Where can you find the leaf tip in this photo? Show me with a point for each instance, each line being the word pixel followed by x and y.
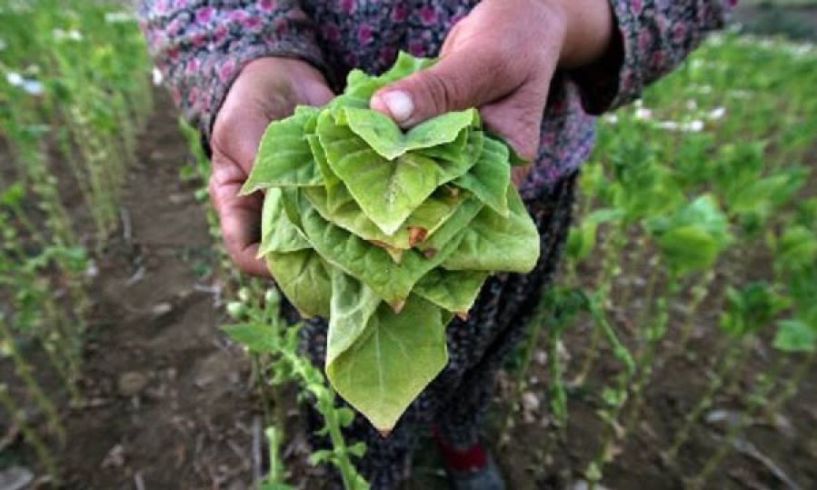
pixel 398 306
pixel 417 235
pixel 248 188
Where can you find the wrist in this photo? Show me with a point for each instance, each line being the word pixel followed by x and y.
pixel 588 27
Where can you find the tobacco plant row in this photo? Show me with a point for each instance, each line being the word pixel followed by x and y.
pixel 695 245
pixel 74 91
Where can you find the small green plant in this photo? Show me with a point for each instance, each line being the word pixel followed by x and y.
pixel 264 332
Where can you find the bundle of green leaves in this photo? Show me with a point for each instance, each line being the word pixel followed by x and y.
pixel 388 234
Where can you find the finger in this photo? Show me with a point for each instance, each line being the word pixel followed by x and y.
pixel 238 130
pixel 455 83
pixel 260 95
pixel 518 118
pixel 240 218
pixel 316 93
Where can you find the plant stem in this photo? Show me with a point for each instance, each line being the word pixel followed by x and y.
pixel 537 324
pixel 25 372
pixel 699 293
pixel 756 401
pixel 558 395
pixel 611 250
pixel 277 471
pixel 792 386
pixel 40 447
pixel 736 355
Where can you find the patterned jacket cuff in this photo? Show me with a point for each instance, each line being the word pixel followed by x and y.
pixel 615 79
pixel 651 38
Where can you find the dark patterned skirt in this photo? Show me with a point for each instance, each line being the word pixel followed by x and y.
pixel 456 402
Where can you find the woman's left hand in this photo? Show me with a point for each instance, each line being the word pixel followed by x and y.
pixel 501 58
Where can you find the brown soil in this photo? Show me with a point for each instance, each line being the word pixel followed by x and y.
pixel 166 399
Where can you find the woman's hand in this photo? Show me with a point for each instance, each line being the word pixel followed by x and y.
pixel 502 58
pixel 266 89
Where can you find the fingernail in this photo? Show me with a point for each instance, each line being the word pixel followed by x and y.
pixel 399 104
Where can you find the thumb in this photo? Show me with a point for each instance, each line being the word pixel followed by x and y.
pixel 460 80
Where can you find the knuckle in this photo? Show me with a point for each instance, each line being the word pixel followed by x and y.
pixel 212 190
pixel 445 92
pixel 227 118
pixel 216 190
pixel 232 245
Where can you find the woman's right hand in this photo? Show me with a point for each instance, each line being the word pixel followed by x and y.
pixel 267 89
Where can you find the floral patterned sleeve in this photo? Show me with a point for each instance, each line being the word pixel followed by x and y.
pixel 654 36
pixel 201 45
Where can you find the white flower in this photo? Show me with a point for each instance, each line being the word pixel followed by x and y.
pixel 643 114
pixel 695 126
pixel 14 79
pixel 3 44
pixel 611 118
pixel 119 17
pixel 33 87
pixel 30 86
pixel 692 105
pixel 61 35
pixel 158 78
pixel 717 113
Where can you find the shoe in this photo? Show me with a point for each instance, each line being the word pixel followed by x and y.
pixel 468 469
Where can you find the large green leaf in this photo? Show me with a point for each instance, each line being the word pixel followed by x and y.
pixel 353 304
pixel 304 279
pixel 404 66
pixel 693 237
pixel 433 214
pixel 362 85
pixel 332 184
pixel 349 216
pixel 391 362
pixel 278 234
pixel 795 336
pixel 384 136
pixel 489 178
pixel 493 243
pixel 285 157
pixel 372 265
pixel 453 226
pixel 459 148
pixel 387 191
pixel 688 248
pixel 453 291
pixel 423 222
